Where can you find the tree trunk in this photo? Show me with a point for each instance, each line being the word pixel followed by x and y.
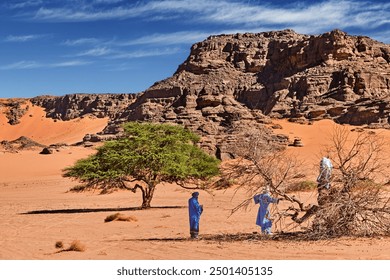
pixel 147 195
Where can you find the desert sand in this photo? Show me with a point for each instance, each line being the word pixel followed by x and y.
pixel 37 209
pixel 47 131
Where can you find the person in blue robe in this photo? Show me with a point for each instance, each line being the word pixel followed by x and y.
pixel 263 214
pixel 195 210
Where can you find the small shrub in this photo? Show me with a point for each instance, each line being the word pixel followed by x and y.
pixel 222 184
pixel 120 217
pixel 302 186
pixel 77 246
pixel 367 185
pixel 59 245
pixel 165 216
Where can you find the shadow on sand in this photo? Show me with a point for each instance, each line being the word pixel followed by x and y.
pixel 234 237
pixel 211 237
pixel 89 210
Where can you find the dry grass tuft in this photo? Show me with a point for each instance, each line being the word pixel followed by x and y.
pixel 165 216
pixel 120 217
pixel 59 245
pixel 77 246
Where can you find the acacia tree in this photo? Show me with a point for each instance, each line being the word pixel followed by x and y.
pixel 146 156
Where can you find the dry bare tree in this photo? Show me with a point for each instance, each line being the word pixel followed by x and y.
pixel 356 204
pixel 259 162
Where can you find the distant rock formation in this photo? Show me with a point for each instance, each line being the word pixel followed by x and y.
pixel 230 83
pixel 14 109
pixel 76 105
pixel 22 143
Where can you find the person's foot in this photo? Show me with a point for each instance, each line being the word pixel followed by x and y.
pixel 194 236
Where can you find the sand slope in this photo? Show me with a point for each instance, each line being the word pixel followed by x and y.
pixel 47 131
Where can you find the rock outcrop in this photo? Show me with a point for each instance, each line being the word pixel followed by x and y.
pixel 76 105
pixel 22 143
pixel 14 109
pixel 233 82
pixel 287 75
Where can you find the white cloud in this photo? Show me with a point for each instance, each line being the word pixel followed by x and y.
pixel 107 1
pixel 168 39
pixel 320 16
pixel 314 17
pixel 244 16
pixel 70 63
pixel 81 41
pixel 25 4
pixel 99 51
pixel 23 38
pixel 69 14
pixel 84 12
pixel 20 65
pixel 145 53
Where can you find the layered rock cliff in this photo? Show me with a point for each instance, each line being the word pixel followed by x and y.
pixel 285 74
pixel 238 81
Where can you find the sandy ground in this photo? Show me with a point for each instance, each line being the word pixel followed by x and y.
pixel 33 182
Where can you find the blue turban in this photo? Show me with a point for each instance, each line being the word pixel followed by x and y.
pixel 195 194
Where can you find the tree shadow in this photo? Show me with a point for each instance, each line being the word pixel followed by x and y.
pixel 231 237
pixel 297 236
pixel 168 239
pixel 93 210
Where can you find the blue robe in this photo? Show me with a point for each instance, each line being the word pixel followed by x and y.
pixel 263 214
pixel 195 210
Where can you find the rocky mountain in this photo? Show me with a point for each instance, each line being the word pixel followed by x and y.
pixel 287 75
pixel 232 82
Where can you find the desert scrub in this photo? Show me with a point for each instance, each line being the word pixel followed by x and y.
pixel 306 185
pixel 77 246
pixel 59 245
pixel 120 217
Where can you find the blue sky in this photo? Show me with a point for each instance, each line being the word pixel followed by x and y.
pixel 97 46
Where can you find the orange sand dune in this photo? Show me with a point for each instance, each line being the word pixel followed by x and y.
pixel 317 136
pixel 47 131
pixel 32 182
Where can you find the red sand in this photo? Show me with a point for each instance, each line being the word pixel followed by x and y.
pixel 47 131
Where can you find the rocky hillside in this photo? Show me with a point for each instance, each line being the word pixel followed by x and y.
pixel 75 105
pixel 242 80
pixel 287 75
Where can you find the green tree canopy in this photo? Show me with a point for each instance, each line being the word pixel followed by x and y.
pixel 148 154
